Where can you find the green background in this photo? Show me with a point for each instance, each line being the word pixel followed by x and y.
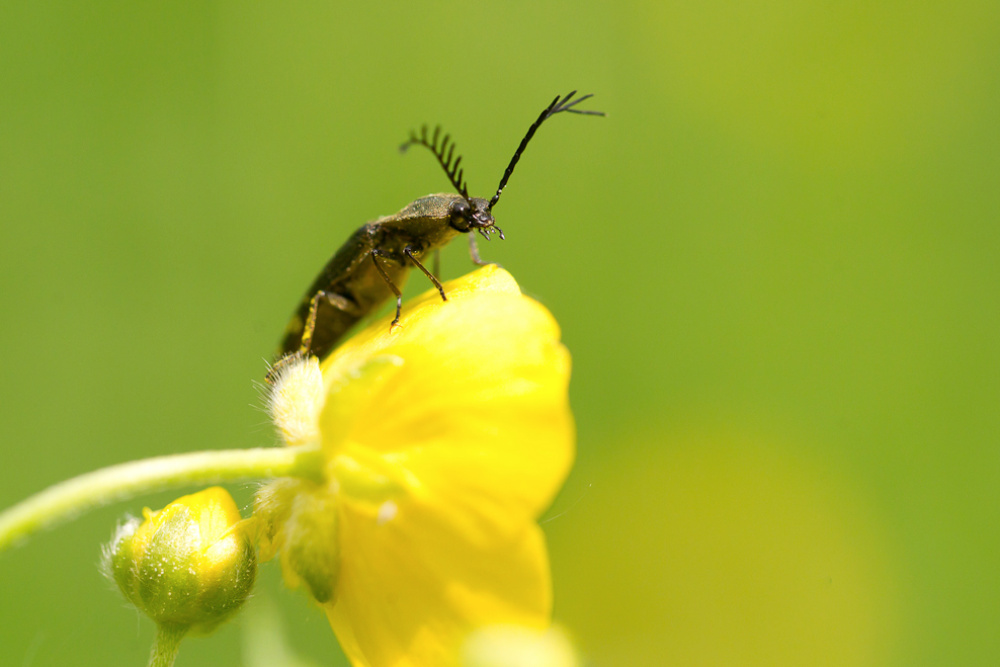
pixel 775 263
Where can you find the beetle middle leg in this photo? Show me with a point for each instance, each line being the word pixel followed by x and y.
pixel 408 251
pixel 376 253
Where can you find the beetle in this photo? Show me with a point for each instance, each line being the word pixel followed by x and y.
pixel 374 262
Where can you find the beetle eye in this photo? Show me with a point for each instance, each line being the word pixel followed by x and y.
pixel 460 209
pixel 461 214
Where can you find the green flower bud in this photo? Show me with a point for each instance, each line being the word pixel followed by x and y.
pixel 189 565
pixel 298 519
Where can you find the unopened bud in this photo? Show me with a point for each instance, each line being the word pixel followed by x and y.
pixel 191 564
pixel 298 520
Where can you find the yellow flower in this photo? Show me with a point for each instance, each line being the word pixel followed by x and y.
pixel 445 438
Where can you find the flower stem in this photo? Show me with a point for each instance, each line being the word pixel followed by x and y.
pixel 73 497
pixel 166 644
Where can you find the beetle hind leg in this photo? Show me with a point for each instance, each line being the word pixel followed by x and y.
pixel 335 300
pixel 274 370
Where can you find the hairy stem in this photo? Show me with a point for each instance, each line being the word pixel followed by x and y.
pixel 166 644
pixel 67 500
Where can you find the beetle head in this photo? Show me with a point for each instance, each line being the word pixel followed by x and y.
pixel 473 214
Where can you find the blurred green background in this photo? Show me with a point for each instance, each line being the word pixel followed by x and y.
pixel 775 263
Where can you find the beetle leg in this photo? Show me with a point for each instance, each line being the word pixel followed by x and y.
pixel 437 263
pixel 274 370
pixel 305 340
pixel 309 327
pixel 341 302
pixel 437 283
pixel 310 324
pixel 376 253
pixel 474 252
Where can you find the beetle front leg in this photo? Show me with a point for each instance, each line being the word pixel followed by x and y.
pixel 474 251
pixel 474 254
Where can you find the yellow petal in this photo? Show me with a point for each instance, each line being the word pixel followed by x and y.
pixel 478 408
pixel 514 646
pixel 412 589
pixel 463 441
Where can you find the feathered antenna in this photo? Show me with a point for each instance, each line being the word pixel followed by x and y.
pixel 558 104
pixel 449 163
